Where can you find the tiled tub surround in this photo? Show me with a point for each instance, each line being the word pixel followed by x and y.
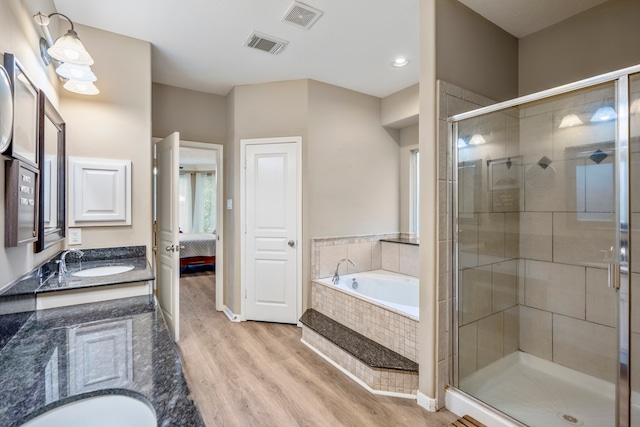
pixel 367 253
pixel 376 367
pixel 58 355
pixel 383 325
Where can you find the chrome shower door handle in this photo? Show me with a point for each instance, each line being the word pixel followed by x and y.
pixel 613 271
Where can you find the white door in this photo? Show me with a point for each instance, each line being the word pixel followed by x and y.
pixel 271 215
pixel 167 256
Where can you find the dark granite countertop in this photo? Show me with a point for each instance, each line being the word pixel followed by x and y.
pixel 20 295
pixel 364 349
pixel 403 240
pixel 56 356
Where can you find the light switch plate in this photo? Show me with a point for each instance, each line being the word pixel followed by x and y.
pixel 229 204
pixel 75 236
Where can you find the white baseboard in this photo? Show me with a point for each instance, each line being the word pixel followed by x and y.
pixel 427 402
pixel 356 379
pixel 230 314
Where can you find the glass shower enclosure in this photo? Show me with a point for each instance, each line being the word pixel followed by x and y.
pixel 546 207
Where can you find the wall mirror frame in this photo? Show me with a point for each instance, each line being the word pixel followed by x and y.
pixel 24 141
pixel 52 148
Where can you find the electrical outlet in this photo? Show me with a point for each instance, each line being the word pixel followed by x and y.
pixel 75 236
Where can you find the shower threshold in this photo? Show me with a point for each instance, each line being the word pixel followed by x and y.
pixel 540 393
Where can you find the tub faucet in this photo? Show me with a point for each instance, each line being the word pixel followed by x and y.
pixel 62 263
pixel 336 275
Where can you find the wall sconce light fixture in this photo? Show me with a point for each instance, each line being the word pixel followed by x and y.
pixel 73 58
pixel 604 114
pixel 570 120
pixel 477 139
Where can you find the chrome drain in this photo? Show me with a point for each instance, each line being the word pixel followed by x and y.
pixel 570 419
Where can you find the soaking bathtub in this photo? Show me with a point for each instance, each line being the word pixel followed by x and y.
pixel 395 291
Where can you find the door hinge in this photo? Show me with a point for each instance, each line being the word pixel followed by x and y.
pixel 245 163
pixel 245 294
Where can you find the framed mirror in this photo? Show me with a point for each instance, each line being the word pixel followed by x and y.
pixel 24 141
pixel 51 145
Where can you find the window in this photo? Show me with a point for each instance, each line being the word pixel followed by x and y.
pixel 414 189
pixel 197 202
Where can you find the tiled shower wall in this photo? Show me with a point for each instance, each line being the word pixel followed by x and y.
pixel 488 240
pixel 452 100
pixel 567 312
pixel 548 233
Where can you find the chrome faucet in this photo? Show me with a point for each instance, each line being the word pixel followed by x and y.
pixel 62 263
pixel 336 275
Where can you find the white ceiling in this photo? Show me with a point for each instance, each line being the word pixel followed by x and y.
pixel 198 44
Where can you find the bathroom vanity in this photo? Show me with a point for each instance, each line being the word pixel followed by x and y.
pixel 121 347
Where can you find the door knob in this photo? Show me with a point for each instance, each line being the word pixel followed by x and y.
pixel 169 248
pixel 291 243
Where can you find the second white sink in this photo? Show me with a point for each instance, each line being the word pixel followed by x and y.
pixel 103 271
pixel 99 411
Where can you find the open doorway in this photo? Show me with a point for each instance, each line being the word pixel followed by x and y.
pixel 200 213
pixel 200 221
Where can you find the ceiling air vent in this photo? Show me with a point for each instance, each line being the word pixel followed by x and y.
pixel 302 15
pixel 266 43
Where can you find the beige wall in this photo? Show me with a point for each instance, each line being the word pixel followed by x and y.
pixel 255 111
pixel 427 331
pixel 343 141
pixel 474 53
pixel 116 124
pixel 596 41
pixel 229 161
pixel 19 36
pixel 401 109
pixel 351 168
pixel 198 116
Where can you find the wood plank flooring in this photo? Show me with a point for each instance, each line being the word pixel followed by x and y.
pixel 260 374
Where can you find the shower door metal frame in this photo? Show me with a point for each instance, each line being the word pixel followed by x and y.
pixel 623 219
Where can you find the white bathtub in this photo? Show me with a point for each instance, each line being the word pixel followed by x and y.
pixel 393 290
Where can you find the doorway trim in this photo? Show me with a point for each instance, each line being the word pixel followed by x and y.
pixel 219 150
pixel 243 217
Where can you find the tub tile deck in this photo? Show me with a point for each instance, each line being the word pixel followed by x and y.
pixel 369 352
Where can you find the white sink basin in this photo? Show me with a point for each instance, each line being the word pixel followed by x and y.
pixel 99 411
pixel 103 271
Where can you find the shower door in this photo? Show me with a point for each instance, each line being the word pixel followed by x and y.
pixel 634 145
pixel 542 244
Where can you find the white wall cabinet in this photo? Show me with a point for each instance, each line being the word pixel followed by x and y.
pixel 99 192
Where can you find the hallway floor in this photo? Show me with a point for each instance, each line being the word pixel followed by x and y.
pixel 260 374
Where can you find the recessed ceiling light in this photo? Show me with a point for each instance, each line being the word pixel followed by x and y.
pixel 400 62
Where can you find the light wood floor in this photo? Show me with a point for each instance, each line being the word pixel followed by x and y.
pixel 260 374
